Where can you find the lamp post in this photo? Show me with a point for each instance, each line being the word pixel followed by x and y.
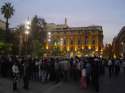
pixel 27 32
pixel 48 42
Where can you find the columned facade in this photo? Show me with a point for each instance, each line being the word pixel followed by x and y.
pixel 72 41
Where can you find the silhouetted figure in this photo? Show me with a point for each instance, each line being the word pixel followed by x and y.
pixel 27 74
pixel 83 79
pixel 95 74
pixel 110 66
pixel 15 71
pixel 57 71
pixel 123 65
pixel 117 67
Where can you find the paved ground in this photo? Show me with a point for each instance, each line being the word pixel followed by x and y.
pixel 115 85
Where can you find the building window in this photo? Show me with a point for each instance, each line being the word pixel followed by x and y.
pixel 86 34
pixel 86 41
pixel 71 42
pixel 64 42
pixel 86 47
pixel 79 41
pixel 93 41
pixel 93 47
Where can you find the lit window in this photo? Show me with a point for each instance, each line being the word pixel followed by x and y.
pixel 71 41
pixel 49 33
pixel 64 42
pixel 79 41
pixel 86 41
pixel 93 41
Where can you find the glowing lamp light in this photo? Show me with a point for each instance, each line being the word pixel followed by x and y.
pixel 55 44
pixel 61 43
pixel 96 49
pixel 68 48
pixel 101 50
pixel 26 32
pixel 82 47
pixel 49 36
pixel 27 27
pixel 89 47
pixel 49 33
pixel 75 49
pixel 61 39
pixel 86 55
pixel 49 40
pixel 46 46
pixel 27 22
pixel 114 56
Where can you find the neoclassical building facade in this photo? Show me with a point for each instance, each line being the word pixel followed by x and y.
pixel 72 41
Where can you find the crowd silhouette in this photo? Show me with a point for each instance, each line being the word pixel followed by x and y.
pixel 85 70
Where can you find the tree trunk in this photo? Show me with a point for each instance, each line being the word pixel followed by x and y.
pixel 7 30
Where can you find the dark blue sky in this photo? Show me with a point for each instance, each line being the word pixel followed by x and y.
pixel 108 13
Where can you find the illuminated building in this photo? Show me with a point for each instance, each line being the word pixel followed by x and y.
pixel 75 40
pixel 119 44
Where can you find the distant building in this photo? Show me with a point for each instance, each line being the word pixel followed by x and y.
pixel 119 44
pixel 2 25
pixel 87 41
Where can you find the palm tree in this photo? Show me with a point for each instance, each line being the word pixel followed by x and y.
pixel 7 10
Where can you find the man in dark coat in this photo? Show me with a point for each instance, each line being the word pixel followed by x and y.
pixel 95 74
pixel 27 74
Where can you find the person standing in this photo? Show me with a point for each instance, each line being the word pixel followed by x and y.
pixel 117 67
pixel 83 81
pixel 57 73
pixel 123 65
pixel 27 74
pixel 95 74
pixel 15 71
pixel 88 72
pixel 110 64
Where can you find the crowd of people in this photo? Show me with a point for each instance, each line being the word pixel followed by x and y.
pixel 85 70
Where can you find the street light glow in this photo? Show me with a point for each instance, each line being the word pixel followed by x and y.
pixel 61 39
pixel 27 27
pixel 49 40
pixel 26 32
pixel 27 22
pixel 122 43
pixel 49 33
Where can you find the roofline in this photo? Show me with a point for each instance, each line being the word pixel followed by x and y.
pixel 2 21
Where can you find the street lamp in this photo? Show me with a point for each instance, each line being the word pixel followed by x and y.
pixel 28 22
pixel 27 32
pixel 49 40
pixel 49 33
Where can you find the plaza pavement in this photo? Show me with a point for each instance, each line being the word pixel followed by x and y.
pixel 114 85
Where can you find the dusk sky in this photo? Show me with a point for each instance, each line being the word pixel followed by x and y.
pixel 110 14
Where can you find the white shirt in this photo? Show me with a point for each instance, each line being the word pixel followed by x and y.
pixel 78 65
pixel 83 72
pixel 109 63
pixel 15 69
